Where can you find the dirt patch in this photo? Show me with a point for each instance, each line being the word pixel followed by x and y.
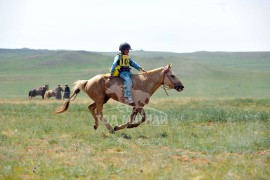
pixel 264 152
pixel 190 159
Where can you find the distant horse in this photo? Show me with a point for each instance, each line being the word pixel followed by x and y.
pixel 100 89
pixel 37 92
pixel 49 93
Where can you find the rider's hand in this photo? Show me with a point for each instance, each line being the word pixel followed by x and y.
pixel 143 70
pixel 110 76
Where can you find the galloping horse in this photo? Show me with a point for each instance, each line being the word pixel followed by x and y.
pixel 100 89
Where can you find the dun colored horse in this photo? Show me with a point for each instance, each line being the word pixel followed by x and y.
pixel 49 93
pixel 100 89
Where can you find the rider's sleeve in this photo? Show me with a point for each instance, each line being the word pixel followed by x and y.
pixel 116 59
pixel 134 64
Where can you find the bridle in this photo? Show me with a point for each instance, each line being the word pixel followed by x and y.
pixel 164 86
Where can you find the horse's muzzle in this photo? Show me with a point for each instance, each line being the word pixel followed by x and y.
pixel 179 87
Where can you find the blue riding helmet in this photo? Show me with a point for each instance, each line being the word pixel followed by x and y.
pixel 124 46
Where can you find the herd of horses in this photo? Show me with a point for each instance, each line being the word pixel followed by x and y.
pixel 43 91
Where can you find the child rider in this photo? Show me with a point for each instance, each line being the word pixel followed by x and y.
pixel 125 61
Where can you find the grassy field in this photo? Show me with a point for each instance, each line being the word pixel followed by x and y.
pixel 217 128
pixel 200 139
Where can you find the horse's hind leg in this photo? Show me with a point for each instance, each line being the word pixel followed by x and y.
pixel 142 113
pixel 92 108
pixel 100 116
pixel 131 119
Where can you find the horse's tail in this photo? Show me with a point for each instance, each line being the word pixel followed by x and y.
pixel 79 85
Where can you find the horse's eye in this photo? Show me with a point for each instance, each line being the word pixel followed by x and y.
pixel 172 76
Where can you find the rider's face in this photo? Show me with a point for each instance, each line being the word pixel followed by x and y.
pixel 126 51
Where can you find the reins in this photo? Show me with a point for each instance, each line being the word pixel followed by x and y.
pixel 164 87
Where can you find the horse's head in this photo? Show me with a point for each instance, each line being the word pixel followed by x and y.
pixel 170 80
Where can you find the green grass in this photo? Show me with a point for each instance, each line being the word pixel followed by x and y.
pixel 217 128
pixel 201 138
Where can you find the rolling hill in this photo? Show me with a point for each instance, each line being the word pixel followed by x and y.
pixel 204 74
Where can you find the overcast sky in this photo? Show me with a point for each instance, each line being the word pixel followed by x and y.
pixel 151 25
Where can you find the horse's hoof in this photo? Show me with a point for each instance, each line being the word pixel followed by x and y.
pixel 130 126
pixel 112 131
pixel 95 127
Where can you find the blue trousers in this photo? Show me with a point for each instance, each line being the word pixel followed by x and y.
pixel 125 75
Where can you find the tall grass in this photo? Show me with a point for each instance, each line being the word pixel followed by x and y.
pixel 201 139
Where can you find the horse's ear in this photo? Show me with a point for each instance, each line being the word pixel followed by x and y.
pixel 169 66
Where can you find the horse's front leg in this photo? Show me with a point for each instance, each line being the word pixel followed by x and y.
pixel 142 113
pixel 131 119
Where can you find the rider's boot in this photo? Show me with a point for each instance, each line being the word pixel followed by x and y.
pixel 129 100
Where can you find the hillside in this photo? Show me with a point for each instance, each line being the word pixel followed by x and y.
pixel 204 74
